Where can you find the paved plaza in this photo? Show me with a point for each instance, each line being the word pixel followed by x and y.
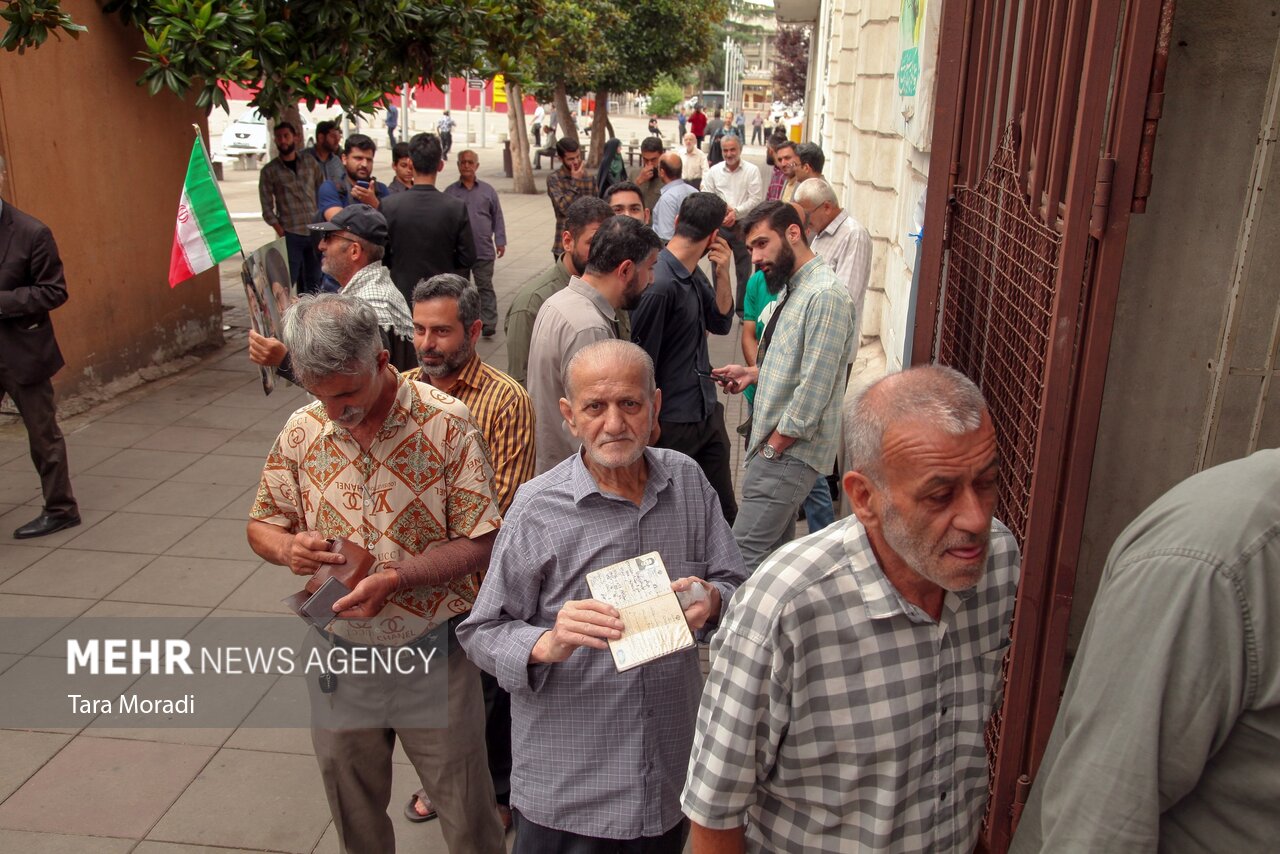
pixel 165 475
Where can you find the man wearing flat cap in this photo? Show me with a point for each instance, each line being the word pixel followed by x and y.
pixel 351 249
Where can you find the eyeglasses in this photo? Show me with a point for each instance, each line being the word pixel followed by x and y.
pixel 335 236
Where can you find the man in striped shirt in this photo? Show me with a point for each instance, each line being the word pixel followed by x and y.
pixel 446 326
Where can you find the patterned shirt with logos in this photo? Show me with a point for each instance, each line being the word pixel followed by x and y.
pixel 425 479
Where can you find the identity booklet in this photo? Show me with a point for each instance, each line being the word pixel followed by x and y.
pixel 653 623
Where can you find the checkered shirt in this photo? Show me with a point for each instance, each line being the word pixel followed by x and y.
pixel 838 716
pixel 288 196
pixel 594 751
pixel 372 283
pixel 802 377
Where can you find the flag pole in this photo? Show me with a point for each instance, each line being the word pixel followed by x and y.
pixel 204 149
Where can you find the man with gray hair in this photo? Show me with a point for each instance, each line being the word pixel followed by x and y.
pixel 352 245
pixel 853 678
pixel 401 470
pixel 598 754
pixel 840 240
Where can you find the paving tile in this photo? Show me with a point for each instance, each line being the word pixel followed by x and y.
pixel 249 399
pixel 108 492
pixel 250 443
pixel 7 660
pixel 28 621
pixel 19 486
pixel 132 784
pixel 172 498
pixel 220 702
pixel 77 574
pixel 146 847
pixel 213 379
pixel 24 753
pixel 111 434
pixel 239 507
pixel 262 591
pixel 196 439
pixel 182 394
pixel 265 739
pixel 144 412
pixel 80 458
pixel 233 417
pixel 276 799
pixel 14 559
pixel 223 469
pixel 185 581
pixel 136 532
pixel 125 620
pixel 152 465
pixel 59 843
pixel 19 516
pixel 216 538
pixel 38 693
pixel 14 450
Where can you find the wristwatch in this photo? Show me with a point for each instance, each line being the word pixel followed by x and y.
pixel 769 452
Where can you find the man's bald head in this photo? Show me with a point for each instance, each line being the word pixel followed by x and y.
pixel 613 357
pixel 930 395
pixel 670 167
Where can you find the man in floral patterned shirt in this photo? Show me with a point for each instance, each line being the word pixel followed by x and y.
pixel 399 468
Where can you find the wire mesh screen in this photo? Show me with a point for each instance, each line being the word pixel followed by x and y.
pixel 997 300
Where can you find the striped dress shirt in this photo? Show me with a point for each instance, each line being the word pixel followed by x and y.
pixel 840 717
pixel 502 411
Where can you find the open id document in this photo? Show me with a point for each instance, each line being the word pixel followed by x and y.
pixel 653 623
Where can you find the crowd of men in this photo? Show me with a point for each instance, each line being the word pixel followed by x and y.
pixel 852 670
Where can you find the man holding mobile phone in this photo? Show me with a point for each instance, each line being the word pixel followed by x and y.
pixel 358 186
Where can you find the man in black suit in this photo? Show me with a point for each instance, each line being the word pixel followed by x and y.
pixel 31 286
pixel 429 232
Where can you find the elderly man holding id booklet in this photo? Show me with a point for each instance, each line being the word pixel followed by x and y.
pixel 604 693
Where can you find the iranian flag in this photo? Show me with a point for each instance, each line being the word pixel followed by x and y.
pixel 204 234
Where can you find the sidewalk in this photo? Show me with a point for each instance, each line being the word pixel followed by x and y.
pixel 165 475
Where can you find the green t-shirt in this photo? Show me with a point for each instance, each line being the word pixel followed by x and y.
pixel 754 302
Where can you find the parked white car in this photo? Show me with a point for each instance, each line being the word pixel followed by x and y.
pixel 248 134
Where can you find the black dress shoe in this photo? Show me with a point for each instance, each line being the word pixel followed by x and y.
pixel 45 524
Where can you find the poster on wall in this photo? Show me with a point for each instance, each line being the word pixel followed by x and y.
pixel 268 287
pixel 917 68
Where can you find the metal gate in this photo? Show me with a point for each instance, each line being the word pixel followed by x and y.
pixel 1044 126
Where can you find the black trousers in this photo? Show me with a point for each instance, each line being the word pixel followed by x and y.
pixel 48 448
pixel 535 839
pixel 304 262
pixel 708 443
pixel 446 143
pixel 497 735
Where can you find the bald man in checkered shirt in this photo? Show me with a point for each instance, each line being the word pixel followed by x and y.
pixel 854 674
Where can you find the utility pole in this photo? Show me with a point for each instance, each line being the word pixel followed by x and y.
pixel 482 132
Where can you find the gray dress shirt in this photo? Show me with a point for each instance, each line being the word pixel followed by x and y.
pixel 570 320
pixel 1168 738
pixel 597 752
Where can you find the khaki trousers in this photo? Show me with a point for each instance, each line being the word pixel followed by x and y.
pixel 451 763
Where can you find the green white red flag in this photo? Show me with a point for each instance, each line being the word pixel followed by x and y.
pixel 204 234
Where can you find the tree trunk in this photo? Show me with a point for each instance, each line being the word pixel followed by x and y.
pixel 566 119
pixel 599 127
pixel 521 168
